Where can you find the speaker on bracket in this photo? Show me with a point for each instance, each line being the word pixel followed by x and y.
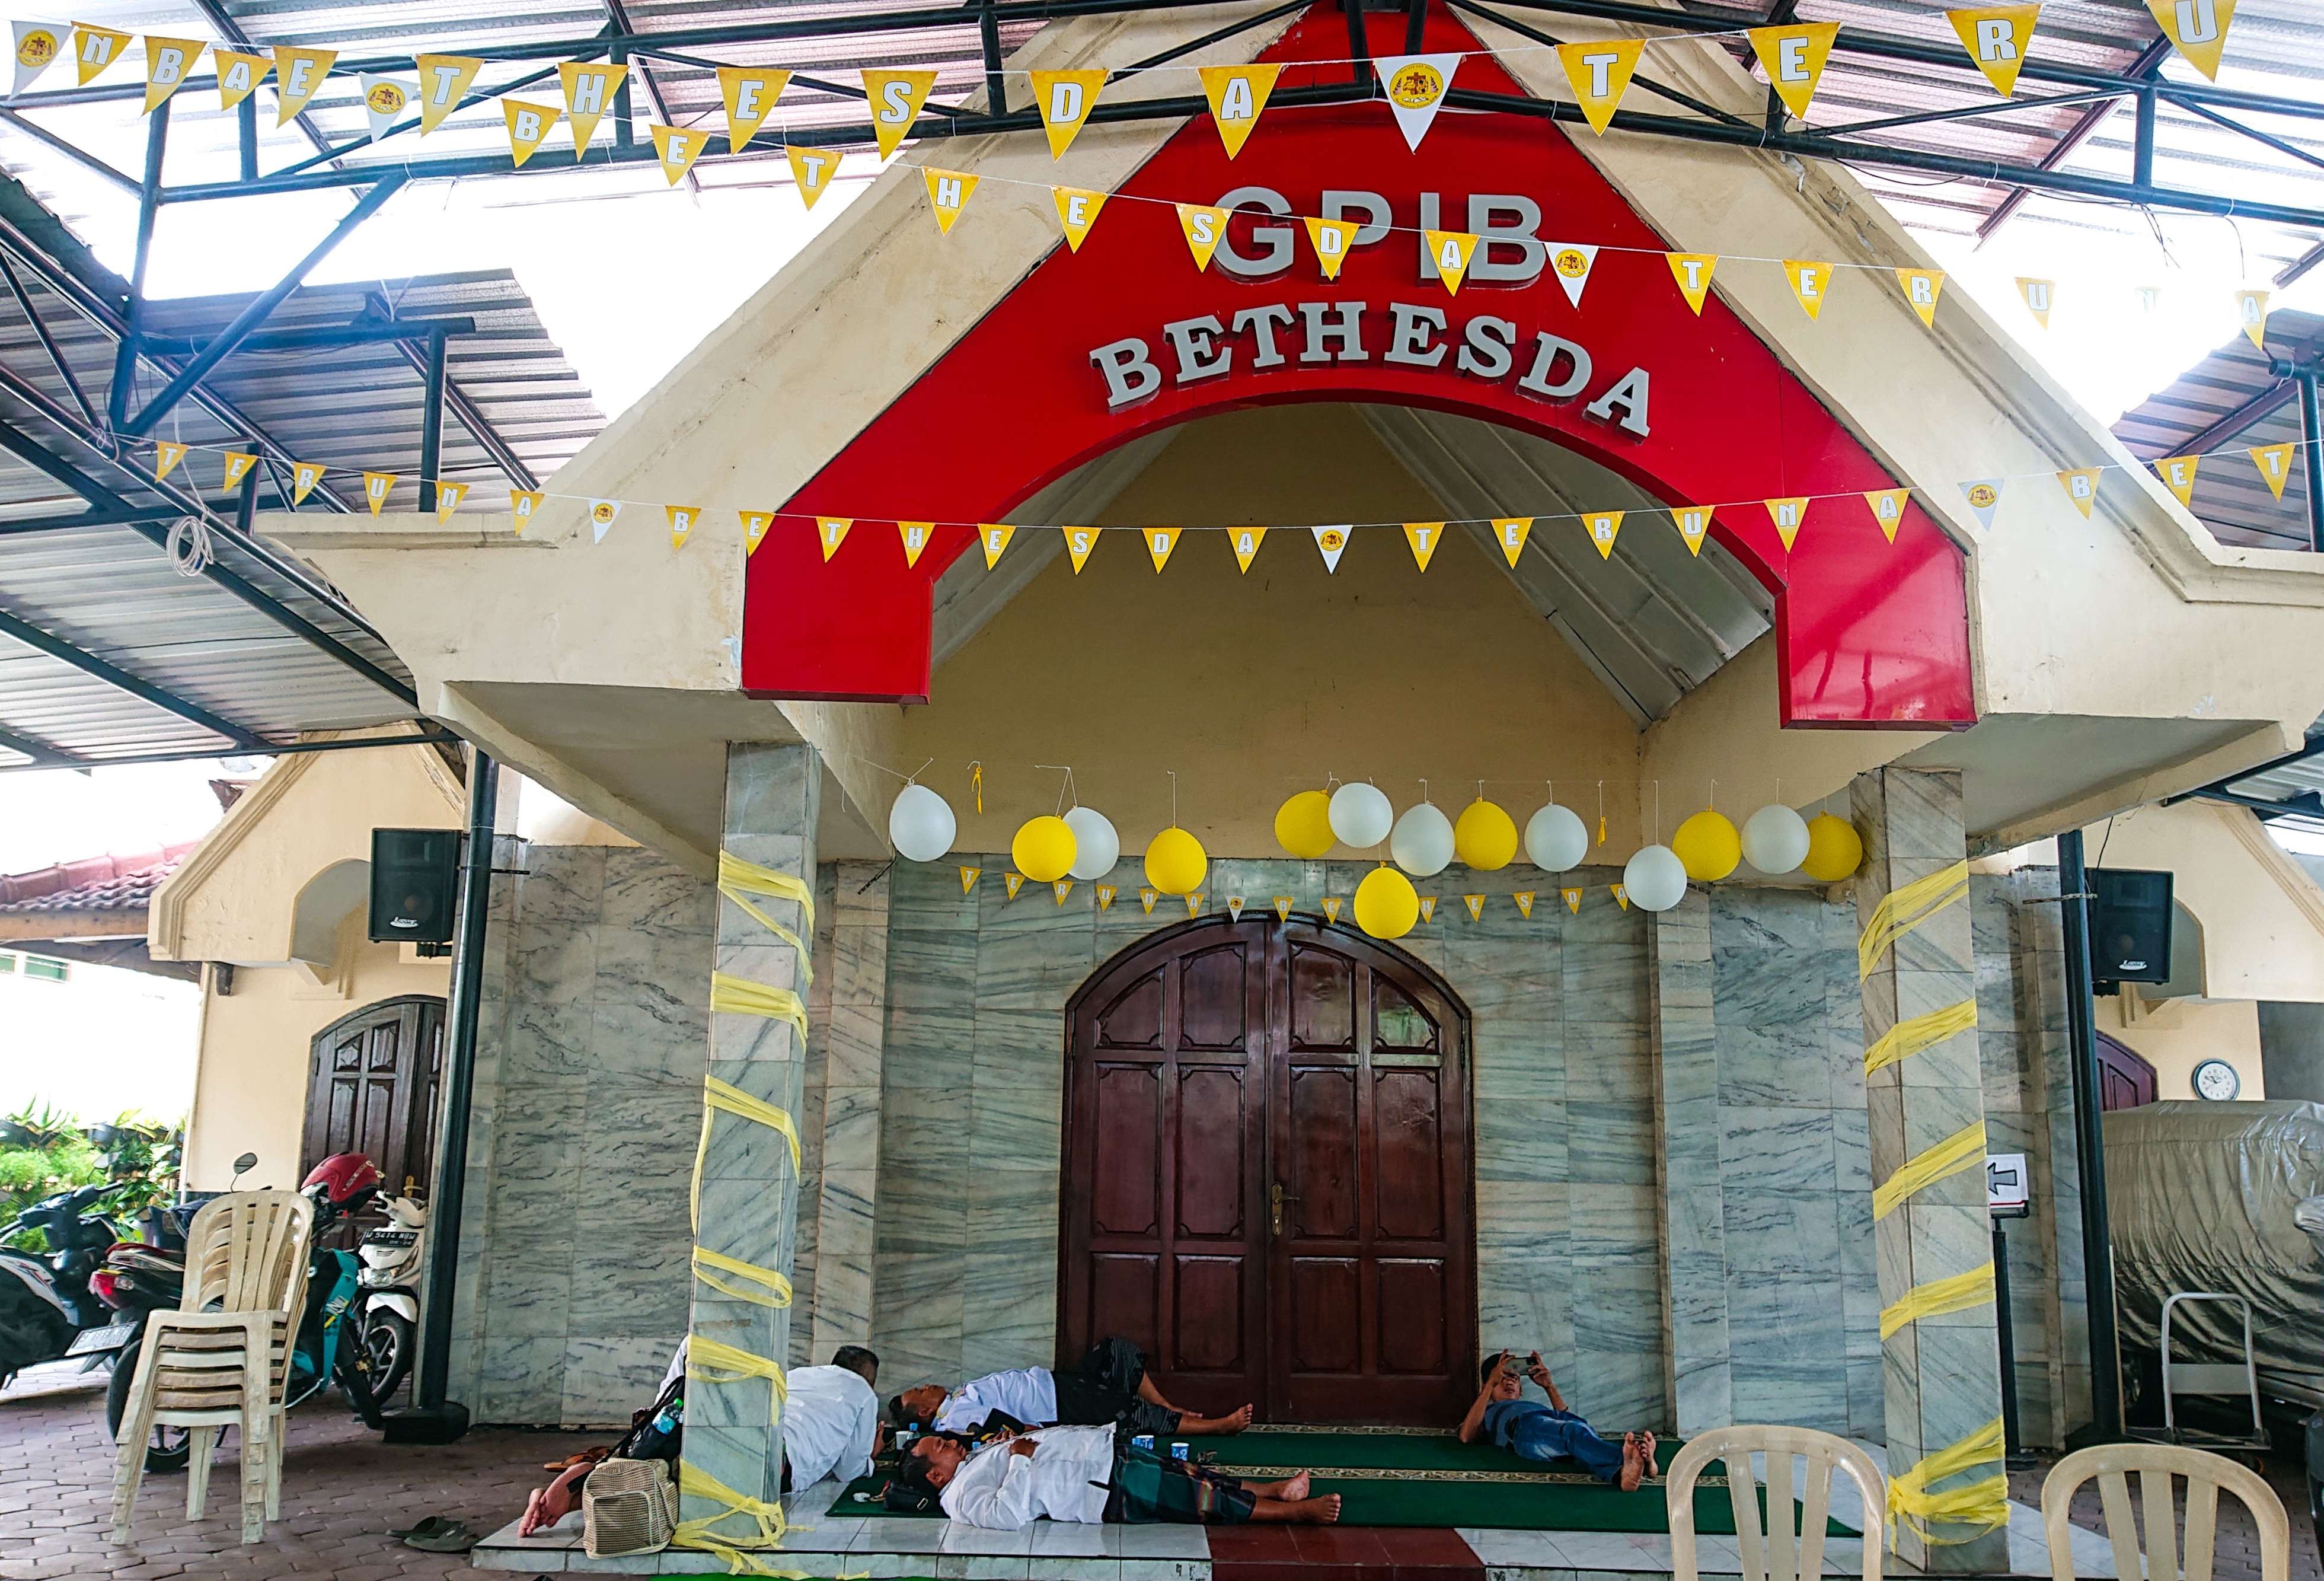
pixel 415 875
pixel 2130 925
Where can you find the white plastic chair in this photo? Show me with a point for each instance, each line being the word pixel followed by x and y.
pixel 1780 1554
pixel 2156 1465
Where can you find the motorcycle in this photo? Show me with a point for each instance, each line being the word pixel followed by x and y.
pixel 390 1281
pixel 49 1308
pixel 327 1348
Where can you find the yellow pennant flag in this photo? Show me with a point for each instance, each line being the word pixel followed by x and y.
pixel 1204 228
pixel 2197 29
pixel 1159 542
pixel 1601 526
pixel 94 49
pixel 167 61
pixel 1428 908
pixel 304 476
pixel 1079 542
pixel 1523 898
pixel 1810 281
pixel 1793 58
pixel 449 496
pixel 1064 99
pixel 1077 210
pixel 1995 37
pixel 915 536
pixel 1247 540
pixel 754 529
pixel 1621 896
pixel 1573 899
pixel 1147 897
pixel 1332 904
pixel 811 170
pixel 1332 239
pixel 1238 94
pixel 2274 464
pixel 2081 487
pixel 38 45
pixel 298 73
pixel 832 532
pixel 528 124
pixel 749 93
pixel 994 536
pixel 1511 532
pixel 375 488
pixel 1063 887
pixel 589 91
pixel 238 75
pixel 2251 312
pixel 1012 882
pixel 1922 288
pixel 1283 907
pixel 2178 475
pixel 1600 74
pixel 968 877
pixel 1889 508
pixel 1692 271
pixel 895 98
pixel 166 457
pixel 1422 537
pixel 1450 251
pixel 1105 894
pixel 238 464
pixel 2039 295
pixel 1194 904
pixel 522 503
pixel 677 147
pixel 1692 522
pixel 1475 904
pixel 948 193
pixel 1787 515
pixel 682 519
pixel 444 82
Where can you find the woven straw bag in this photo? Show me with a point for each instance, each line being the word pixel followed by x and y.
pixel 628 1507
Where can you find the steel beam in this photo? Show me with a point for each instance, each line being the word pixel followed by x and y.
pixel 2312 430
pixel 466 411
pixel 228 29
pixel 251 316
pixel 431 422
pixel 2149 60
pixel 2260 407
pixel 432 734
pixel 96 516
pixel 136 685
pixel 47 341
pixel 362 332
pixel 149 209
pixel 42 754
pixel 73 152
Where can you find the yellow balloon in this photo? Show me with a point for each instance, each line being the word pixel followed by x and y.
pixel 1043 849
pixel 1710 846
pixel 1386 906
pixel 1303 825
pixel 1834 849
pixel 1484 837
pixel 1176 862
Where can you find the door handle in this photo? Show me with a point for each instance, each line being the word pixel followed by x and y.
pixel 1276 1197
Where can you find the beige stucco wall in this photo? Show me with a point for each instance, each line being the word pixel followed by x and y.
pixel 2178 1034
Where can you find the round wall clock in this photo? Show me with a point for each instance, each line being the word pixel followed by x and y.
pixel 2216 1080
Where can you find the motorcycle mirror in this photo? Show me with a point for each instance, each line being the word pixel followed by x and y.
pixel 243 1166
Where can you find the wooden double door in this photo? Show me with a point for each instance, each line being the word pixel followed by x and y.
pixel 371 1088
pixel 1266 1177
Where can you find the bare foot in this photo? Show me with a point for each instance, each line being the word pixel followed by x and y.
pixel 1323 1512
pixel 1648 1445
pixel 1290 1490
pixel 1196 1427
pixel 1634 1465
pixel 532 1521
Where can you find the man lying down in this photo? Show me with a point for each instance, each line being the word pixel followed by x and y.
pixel 1094 1474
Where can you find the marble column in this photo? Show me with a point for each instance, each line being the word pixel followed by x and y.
pixel 750 1191
pixel 853 1041
pixel 1942 1374
pixel 1698 1380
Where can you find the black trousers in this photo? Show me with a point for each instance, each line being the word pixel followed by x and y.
pixel 1103 1390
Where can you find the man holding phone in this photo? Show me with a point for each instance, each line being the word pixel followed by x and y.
pixel 1534 1431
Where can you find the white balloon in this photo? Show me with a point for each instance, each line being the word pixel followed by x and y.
pixel 1554 839
pixel 1776 840
pixel 1096 846
pixel 921 825
pixel 1654 879
pixel 1422 841
pixel 1360 815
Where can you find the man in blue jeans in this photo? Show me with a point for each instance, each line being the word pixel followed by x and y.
pixel 1534 1431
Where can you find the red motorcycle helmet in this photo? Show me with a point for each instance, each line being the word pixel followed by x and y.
pixel 346 1179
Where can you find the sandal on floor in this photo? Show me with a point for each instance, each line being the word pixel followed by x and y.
pixel 454 1539
pixel 434 1526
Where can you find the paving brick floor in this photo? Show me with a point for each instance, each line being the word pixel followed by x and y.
pixel 2236 1551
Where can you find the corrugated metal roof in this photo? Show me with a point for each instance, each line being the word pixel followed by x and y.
pixel 2230 496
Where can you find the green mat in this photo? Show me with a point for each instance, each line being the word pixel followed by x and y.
pixel 1433 1479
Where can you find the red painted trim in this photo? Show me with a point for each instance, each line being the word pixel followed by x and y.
pixel 1867 634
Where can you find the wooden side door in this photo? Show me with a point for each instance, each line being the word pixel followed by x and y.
pixel 1372 1283
pixel 2126 1081
pixel 1162 1227
pixel 371 1088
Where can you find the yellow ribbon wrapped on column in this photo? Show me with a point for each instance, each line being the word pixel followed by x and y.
pixel 1905 908
pixel 1938 1296
pixel 1908 1038
pixel 739 880
pixel 1960 1151
pixel 1983 1503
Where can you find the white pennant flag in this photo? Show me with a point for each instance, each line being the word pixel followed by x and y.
pixel 1416 86
pixel 602 513
pixel 1571 263
pixel 1332 542
pixel 38 45
pixel 384 100
pixel 1983 497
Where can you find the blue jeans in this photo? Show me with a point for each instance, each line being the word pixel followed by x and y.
pixel 1560 1434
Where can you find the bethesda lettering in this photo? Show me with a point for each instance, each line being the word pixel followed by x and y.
pixel 1284 335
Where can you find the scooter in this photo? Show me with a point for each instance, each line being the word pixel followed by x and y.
pixel 390 1281
pixel 47 1310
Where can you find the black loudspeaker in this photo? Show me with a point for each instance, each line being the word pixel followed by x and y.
pixel 2130 925
pixel 414 875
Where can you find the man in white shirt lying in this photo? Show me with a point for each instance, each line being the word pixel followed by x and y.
pixel 1109 1386
pixel 1092 1474
pixel 831 1418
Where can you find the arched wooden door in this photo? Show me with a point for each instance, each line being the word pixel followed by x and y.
pixel 371 1088
pixel 1267 1174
